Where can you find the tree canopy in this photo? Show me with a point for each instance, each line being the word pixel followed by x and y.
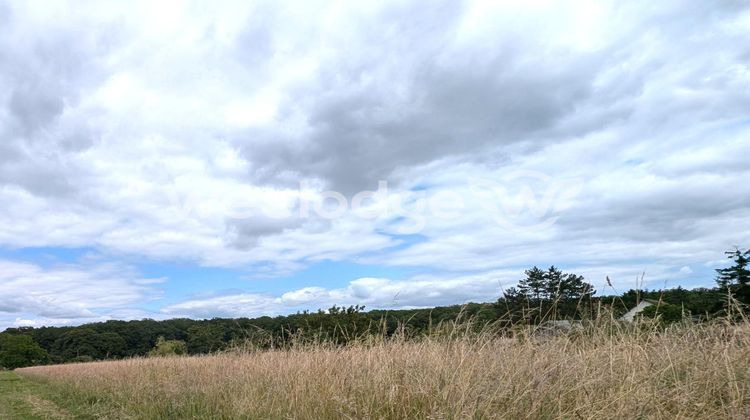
pixel 20 351
pixel 736 278
pixel 548 293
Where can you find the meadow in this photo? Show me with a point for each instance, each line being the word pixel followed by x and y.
pixel 602 370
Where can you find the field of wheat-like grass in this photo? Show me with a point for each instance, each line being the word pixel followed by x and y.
pixel 687 371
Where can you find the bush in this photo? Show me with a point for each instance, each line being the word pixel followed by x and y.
pixel 165 347
pixel 665 312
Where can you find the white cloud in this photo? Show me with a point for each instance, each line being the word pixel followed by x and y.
pixel 70 293
pixel 146 131
pixel 374 293
pixel 418 291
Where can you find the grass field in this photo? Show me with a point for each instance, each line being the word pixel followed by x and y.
pixel 24 399
pixel 693 371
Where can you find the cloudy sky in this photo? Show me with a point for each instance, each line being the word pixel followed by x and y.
pixel 165 159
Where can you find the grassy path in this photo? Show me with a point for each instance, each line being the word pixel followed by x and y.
pixel 24 399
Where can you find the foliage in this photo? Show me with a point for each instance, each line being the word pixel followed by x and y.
pixel 205 338
pixel 699 302
pixel 664 312
pixel 19 351
pixel 736 278
pixel 550 298
pixel 165 347
pixel 88 342
pixel 545 294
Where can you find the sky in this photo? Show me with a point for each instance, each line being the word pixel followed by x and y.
pixel 245 158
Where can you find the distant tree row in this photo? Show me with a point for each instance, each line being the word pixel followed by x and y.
pixel 120 339
pixel 541 294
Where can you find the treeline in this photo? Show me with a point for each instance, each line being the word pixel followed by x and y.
pixel 551 294
pixel 541 295
pixel 121 339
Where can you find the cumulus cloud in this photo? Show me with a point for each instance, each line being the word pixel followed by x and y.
pixel 416 292
pixel 70 293
pixel 374 293
pixel 198 135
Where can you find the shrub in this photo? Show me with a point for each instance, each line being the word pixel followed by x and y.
pixel 165 347
pixel 664 312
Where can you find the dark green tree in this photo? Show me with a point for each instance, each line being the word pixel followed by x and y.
pixel 545 294
pixel 19 351
pixel 535 286
pixel 205 338
pixel 736 278
pixel 666 313
pixel 575 288
pixel 567 292
pixel 110 345
pixel 84 341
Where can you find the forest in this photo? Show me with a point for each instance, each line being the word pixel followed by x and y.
pixel 541 295
pixel 121 339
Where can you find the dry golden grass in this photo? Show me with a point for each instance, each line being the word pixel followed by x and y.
pixel 693 371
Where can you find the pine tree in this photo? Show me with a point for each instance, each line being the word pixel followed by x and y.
pixel 736 278
pixel 576 288
pixel 545 293
pixel 566 286
pixel 534 286
pixel 738 274
pixel 554 279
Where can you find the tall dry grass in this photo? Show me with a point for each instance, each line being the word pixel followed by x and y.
pixel 604 371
